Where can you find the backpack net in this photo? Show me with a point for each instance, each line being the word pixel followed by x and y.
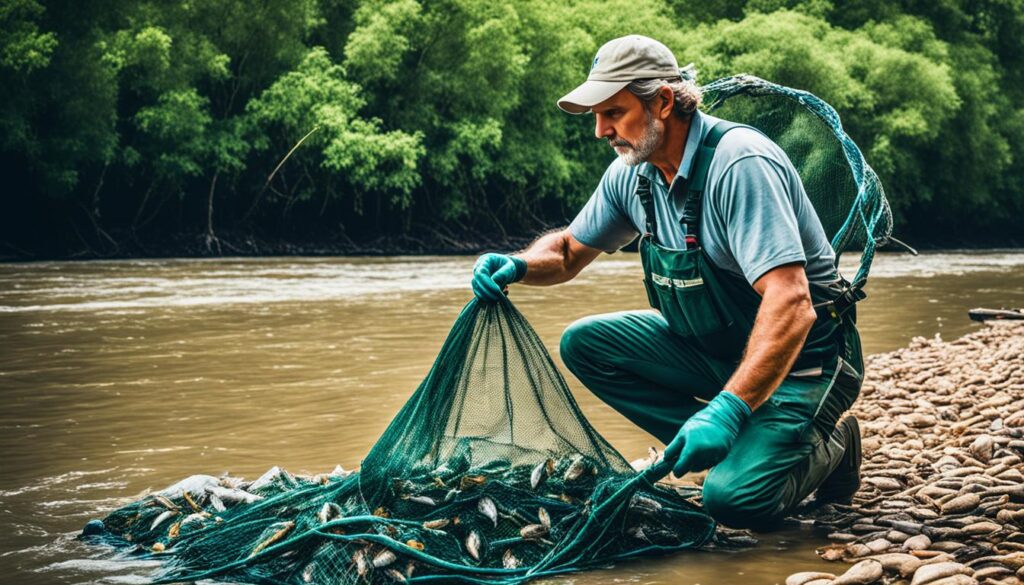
pixel 488 474
pixel 845 191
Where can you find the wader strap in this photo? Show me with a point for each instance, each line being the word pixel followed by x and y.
pixel 643 191
pixel 698 179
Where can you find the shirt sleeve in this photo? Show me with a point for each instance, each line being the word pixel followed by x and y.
pixel 602 223
pixel 761 225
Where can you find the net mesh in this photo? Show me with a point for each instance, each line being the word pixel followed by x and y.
pixel 489 473
pixel 846 193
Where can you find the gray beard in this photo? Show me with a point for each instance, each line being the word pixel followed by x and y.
pixel 645 145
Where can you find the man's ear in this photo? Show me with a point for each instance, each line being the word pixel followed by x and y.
pixel 666 101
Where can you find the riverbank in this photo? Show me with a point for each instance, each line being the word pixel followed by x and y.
pixel 942 500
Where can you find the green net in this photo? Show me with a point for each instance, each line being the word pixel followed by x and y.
pixel 489 473
pixel 845 191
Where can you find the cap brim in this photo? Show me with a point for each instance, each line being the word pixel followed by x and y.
pixel 589 94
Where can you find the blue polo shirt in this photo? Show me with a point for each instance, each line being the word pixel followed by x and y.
pixel 755 213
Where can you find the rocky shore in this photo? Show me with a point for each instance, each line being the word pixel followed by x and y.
pixel 942 500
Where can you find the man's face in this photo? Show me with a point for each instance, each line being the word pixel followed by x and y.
pixel 631 129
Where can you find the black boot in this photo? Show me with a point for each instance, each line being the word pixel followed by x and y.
pixel 845 479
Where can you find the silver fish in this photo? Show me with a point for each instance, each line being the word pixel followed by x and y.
pixel 436 524
pixel 645 505
pixel 217 503
pixel 307 573
pixel 576 469
pixel 192 518
pixel 473 545
pixel 509 560
pixel 163 517
pixel 362 566
pixel 450 496
pixel 533 531
pixel 545 518
pixel 541 472
pixel 328 512
pixel 233 495
pixel 395 576
pixel 383 559
pixel 425 500
pixel 165 502
pixel 488 508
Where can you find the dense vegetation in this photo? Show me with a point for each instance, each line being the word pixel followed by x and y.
pixel 147 127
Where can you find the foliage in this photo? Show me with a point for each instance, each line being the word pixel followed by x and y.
pixel 147 119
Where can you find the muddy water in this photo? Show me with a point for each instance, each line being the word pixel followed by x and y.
pixel 121 377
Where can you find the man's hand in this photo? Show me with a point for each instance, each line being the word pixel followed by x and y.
pixel 706 438
pixel 493 272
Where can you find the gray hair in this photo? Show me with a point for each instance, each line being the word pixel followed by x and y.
pixel 685 89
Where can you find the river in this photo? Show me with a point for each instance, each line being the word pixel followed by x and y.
pixel 118 377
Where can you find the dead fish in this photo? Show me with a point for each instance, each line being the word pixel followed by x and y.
pixel 425 500
pixel 217 503
pixel 174 531
pixel 233 495
pixel 193 518
pixel 545 518
pixel 410 567
pixel 450 496
pixel 359 559
pixel 436 524
pixel 576 468
pixel 473 545
pixel 395 575
pixel 531 531
pixel 191 503
pixel 509 560
pixel 163 517
pixel 307 573
pixel 158 547
pixel 541 472
pixel 328 512
pixel 644 504
pixel 165 502
pixel 285 528
pixel 469 481
pixel 488 508
pixel 384 558
pixel 415 544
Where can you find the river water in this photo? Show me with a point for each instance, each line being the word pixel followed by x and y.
pixel 124 376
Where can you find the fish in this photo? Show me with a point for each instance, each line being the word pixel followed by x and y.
pixel 165 502
pixel 436 524
pixel 158 547
pixel 163 517
pixel 531 531
pixel 488 508
pixel 414 544
pixel 541 472
pixel 217 503
pixel 174 530
pixel 469 481
pixel 473 545
pixel 509 560
pixel 359 559
pixel 383 559
pixel 576 468
pixel 425 500
pixel 307 573
pixel 395 575
pixel 193 518
pixel 328 512
pixel 382 512
pixel 285 528
pixel 191 503
pixel 410 567
pixel 450 496
pixel 645 505
pixel 233 495
pixel 545 518
pixel 196 484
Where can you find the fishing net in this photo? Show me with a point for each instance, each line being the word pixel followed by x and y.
pixel 489 473
pixel 846 193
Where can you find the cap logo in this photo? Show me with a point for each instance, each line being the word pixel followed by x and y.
pixel 594 64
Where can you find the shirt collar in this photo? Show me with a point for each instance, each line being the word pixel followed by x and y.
pixel 693 140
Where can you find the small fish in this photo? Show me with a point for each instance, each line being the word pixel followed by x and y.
pixel 545 518
pixel 233 495
pixel 308 572
pixel 285 528
pixel 568 499
pixel 436 524
pixel 382 512
pixel 193 518
pixel 576 468
pixel 531 531
pixel 163 517
pixel 383 559
pixel 541 472
pixel 450 496
pixel 174 531
pixel 410 568
pixel 469 481
pixel 425 500
pixel 191 503
pixel 359 558
pixel 509 560
pixel 645 505
pixel 473 545
pixel 488 508
pixel 395 575
pixel 328 512
pixel 165 502
pixel 158 547
pixel 217 503
pixel 414 544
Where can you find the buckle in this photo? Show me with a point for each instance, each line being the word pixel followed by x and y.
pixel 839 305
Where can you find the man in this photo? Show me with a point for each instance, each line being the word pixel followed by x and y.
pixel 747 365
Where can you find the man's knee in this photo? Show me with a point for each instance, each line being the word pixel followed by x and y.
pixel 578 342
pixel 741 504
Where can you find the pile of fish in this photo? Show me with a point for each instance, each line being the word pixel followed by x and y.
pixel 942 500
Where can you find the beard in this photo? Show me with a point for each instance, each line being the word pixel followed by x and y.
pixel 634 154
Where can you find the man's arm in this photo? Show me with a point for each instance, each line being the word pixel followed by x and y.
pixel 555 258
pixel 780 329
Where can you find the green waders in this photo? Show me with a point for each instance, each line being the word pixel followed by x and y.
pixel 659 368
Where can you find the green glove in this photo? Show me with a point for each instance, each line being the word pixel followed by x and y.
pixel 706 438
pixel 493 272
